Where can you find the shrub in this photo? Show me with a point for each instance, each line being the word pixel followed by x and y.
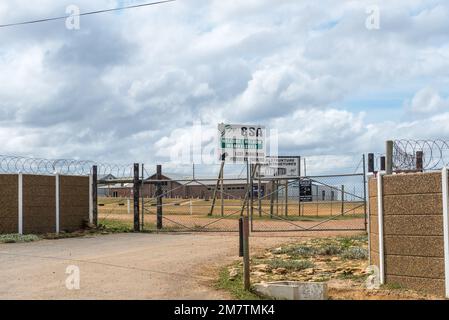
pixel 329 250
pixel 355 253
pixel 305 251
pixel 13 238
pixel 292 265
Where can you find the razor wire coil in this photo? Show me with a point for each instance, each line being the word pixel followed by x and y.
pixel 435 154
pixel 27 165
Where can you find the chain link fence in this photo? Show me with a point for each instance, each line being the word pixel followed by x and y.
pixel 334 202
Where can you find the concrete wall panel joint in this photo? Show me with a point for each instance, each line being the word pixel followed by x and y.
pixel 380 225
pixel 445 191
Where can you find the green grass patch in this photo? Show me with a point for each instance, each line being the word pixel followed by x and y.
pixel 392 286
pixel 17 238
pixel 353 277
pixel 234 286
pixel 115 226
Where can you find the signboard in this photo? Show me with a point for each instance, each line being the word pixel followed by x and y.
pixel 305 190
pixel 280 167
pixel 242 143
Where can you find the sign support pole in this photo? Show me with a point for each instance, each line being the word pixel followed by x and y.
pixel 220 177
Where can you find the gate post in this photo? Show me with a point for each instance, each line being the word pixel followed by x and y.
pixel 142 194
pixel 136 198
pixel 389 157
pixel 364 192
pixel 95 195
pixel 259 188
pixel 342 199
pixel 382 163
pixel 419 161
pixel 272 199
pixel 370 162
pixel 246 260
pixel 159 196
pixel 286 198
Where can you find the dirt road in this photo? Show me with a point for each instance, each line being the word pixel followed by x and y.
pixel 120 266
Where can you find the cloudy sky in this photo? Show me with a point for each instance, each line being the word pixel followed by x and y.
pixel 131 86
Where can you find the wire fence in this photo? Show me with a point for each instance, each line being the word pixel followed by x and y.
pixel 435 154
pixel 336 202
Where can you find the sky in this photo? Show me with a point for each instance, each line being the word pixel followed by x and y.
pixel 134 86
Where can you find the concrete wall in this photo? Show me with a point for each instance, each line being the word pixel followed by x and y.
pixel 8 203
pixel 39 203
pixel 413 230
pixel 74 202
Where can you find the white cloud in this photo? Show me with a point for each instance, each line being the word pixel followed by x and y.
pixel 123 86
pixel 427 101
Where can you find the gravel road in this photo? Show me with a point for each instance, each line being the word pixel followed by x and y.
pixel 121 266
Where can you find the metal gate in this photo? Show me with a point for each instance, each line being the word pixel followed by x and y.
pixel 173 203
pixel 313 203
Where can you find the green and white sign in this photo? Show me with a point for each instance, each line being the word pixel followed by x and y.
pixel 241 143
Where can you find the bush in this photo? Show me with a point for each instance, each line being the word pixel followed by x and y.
pixel 305 251
pixel 355 253
pixel 329 250
pixel 301 250
pixel 13 238
pixel 292 265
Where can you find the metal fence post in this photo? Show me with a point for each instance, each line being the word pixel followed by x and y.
pixel 272 199
pixel 370 162
pixel 222 192
pixel 57 196
pixel 259 190
pixel 364 192
pixel 342 199
pixel 252 170
pixel 95 195
pixel 20 204
pixel 159 196
pixel 389 157
pixel 286 198
pixel 419 161
pixel 246 260
pixel 136 198
pixel 142 191
pixel 241 237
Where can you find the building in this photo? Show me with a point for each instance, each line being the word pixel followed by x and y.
pixel 184 188
pixel 179 188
